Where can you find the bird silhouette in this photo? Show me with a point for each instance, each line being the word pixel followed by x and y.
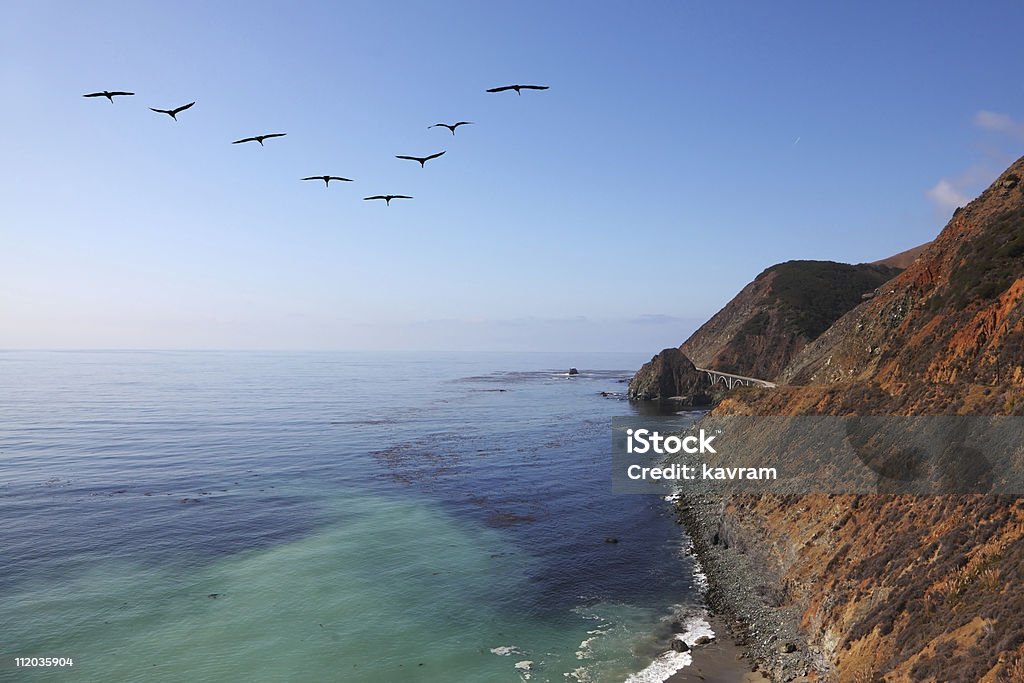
pixel 260 138
pixel 173 113
pixel 387 197
pixel 451 126
pixel 517 88
pixel 109 94
pixel 422 160
pixel 328 178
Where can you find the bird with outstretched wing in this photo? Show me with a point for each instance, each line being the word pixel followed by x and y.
pixel 173 113
pixel 518 88
pixel 260 138
pixel 451 126
pixel 328 178
pixel 109 94
pixel 388 197
pixel 422 160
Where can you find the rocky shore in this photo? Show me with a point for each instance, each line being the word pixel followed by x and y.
pixel 740 593
pixel 825 587
pixel 719 661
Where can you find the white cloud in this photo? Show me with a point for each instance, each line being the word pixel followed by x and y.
pixel 958 190
pixel 946 196
pixel 1000 123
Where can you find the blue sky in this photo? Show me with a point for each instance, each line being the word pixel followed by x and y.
pixel 681 149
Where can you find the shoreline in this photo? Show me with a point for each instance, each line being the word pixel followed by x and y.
pixel 720 661
pixel 738 598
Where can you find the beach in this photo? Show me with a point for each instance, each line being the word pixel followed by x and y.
pixel 720 661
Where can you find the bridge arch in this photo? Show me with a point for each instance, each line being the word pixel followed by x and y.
pixel 731 381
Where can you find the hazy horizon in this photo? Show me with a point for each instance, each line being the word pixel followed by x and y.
pixel 679 151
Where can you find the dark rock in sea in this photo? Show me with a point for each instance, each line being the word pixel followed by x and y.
pixel 679 646
pixel 667 375
pixel 703 640
pixel 573 371
pixel 611 539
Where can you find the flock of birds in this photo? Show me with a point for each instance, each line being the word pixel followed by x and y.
pixel 173 113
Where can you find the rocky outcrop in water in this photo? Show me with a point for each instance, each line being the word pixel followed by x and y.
pixel 670 374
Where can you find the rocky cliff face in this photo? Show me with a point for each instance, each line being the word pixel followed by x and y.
pixel 901 588
pixel 670 374
pixel 951 324
pixel 779 313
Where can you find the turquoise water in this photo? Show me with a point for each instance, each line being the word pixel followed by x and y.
pixel 314 517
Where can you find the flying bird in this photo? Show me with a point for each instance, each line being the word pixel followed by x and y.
pixel 451 126
pixel 328 178
pixel 517 88
pixel 260 138
pixel 422 160
pixel 109 94
pixel 387 197
pixel 173 113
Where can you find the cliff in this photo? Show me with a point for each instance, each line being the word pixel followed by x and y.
pixel 948 328
pixel 774 317
pixel 670 374
pixel 887 587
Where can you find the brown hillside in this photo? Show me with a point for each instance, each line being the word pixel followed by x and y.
pixel 774 317
pixel 899 588
pixel 903 259
pixel 954 320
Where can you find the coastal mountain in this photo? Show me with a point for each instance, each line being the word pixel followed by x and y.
pixel 949 331
pixel 903 259
pixel 892 587
pixel 774 317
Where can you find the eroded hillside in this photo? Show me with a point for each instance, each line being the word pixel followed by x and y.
pixel 774 317
pixel 886 587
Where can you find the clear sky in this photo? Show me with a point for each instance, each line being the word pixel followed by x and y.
pixel 681 149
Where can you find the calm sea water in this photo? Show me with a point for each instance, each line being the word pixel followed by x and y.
pixel 328 517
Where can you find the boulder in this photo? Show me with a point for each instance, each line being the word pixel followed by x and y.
pixel 679 645
pixel 669 374
pixel 573 371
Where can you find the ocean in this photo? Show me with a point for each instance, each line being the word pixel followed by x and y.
pixel 369 517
